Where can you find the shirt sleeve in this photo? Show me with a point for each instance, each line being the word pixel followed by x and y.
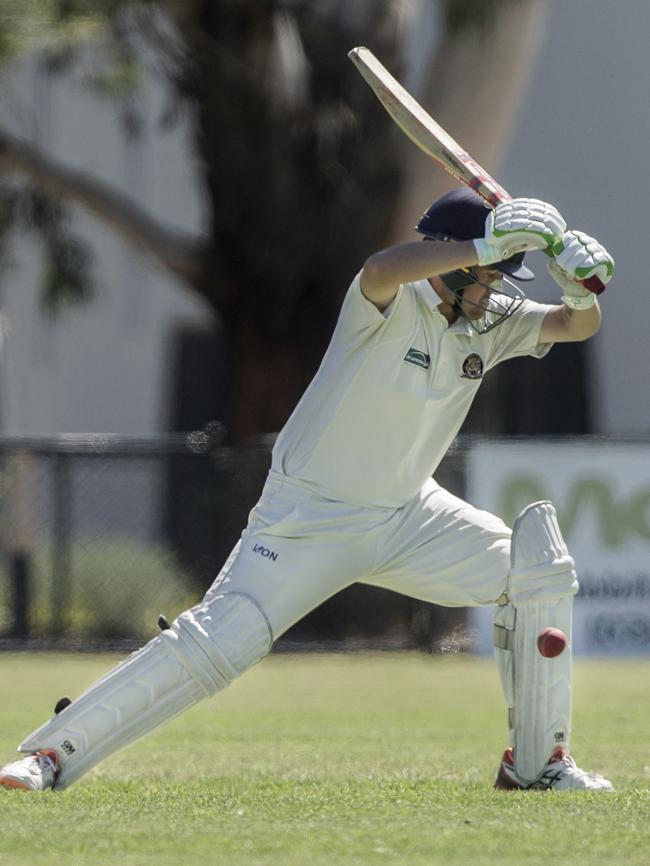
pixel 359 317
pixel 519 334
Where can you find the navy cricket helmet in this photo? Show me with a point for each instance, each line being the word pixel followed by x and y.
pixel 460 216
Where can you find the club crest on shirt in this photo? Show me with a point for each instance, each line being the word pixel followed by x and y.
pixel 472 367
pixel 418 357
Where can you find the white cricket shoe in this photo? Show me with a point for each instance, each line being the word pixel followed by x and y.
pixel 559 774
pixel 35 772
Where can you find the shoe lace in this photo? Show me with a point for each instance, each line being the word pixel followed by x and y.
pixel 560 764
pixel 562 757
pixel 45 762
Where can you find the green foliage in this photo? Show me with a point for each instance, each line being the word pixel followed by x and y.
pixel 99 34
pixel 28 25
pixel 117 589
pixel 62 32
pixel 67 261
pixel 346 760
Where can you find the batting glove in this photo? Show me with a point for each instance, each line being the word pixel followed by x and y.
pixel 518 226
pixel 578 257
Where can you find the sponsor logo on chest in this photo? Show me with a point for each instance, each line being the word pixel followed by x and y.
pixel 418 358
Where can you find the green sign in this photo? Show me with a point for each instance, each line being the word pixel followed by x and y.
pixel 616 516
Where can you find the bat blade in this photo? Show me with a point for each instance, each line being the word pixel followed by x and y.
pixel 423 130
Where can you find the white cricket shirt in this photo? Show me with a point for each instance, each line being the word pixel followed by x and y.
pixel 392 392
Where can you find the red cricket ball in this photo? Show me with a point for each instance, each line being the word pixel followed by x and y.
pixel 551 642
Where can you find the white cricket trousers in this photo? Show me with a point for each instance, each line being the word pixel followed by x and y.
pixel 301 547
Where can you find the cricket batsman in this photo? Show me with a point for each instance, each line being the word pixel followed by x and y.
pixel 350 497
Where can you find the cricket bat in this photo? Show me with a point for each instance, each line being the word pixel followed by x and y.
pixel 431 138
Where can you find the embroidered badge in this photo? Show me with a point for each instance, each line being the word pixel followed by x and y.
pixel 417 357
pixel 472 367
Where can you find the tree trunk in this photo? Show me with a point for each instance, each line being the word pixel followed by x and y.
pixel 298 198
pixel 265 380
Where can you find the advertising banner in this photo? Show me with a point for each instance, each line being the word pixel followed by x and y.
pixel 601 492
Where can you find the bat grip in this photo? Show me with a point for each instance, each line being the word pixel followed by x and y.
pixel 592 284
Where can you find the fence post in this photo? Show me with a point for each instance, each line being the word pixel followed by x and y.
pixel 61 559
pixel 19 465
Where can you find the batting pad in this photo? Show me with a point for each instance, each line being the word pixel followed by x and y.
pixel 204 649
pixel 541 586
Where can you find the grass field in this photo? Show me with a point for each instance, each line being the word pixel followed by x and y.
pixel 334 759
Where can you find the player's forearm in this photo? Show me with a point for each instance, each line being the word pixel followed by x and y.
pixel 565 325
pixel 582 324
pixel 386 270
pixel 587 322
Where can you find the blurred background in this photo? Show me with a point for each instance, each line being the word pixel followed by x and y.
pixel 187 190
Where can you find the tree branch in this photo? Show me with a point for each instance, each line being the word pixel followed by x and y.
pixel 182 254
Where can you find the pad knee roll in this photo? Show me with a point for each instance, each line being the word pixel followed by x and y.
pixel 541 568
pixel 217 640
pixel 205 648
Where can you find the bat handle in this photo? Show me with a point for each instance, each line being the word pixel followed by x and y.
pixel 593 284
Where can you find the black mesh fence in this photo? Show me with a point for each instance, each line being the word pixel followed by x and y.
pixel 101 534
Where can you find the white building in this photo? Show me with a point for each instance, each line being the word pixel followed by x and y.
pixel 102 366
pixel 581 140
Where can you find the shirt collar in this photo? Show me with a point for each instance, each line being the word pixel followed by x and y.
pixel 431 297
pixel 433 300
pixel 461 326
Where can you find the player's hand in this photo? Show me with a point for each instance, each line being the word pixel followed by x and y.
pixel 578 257
pixel 518 226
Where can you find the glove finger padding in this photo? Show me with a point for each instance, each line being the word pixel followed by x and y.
pixel 564 281
pixel 534 223
pixel 574 295
pixel 517 226
pixel 581 256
